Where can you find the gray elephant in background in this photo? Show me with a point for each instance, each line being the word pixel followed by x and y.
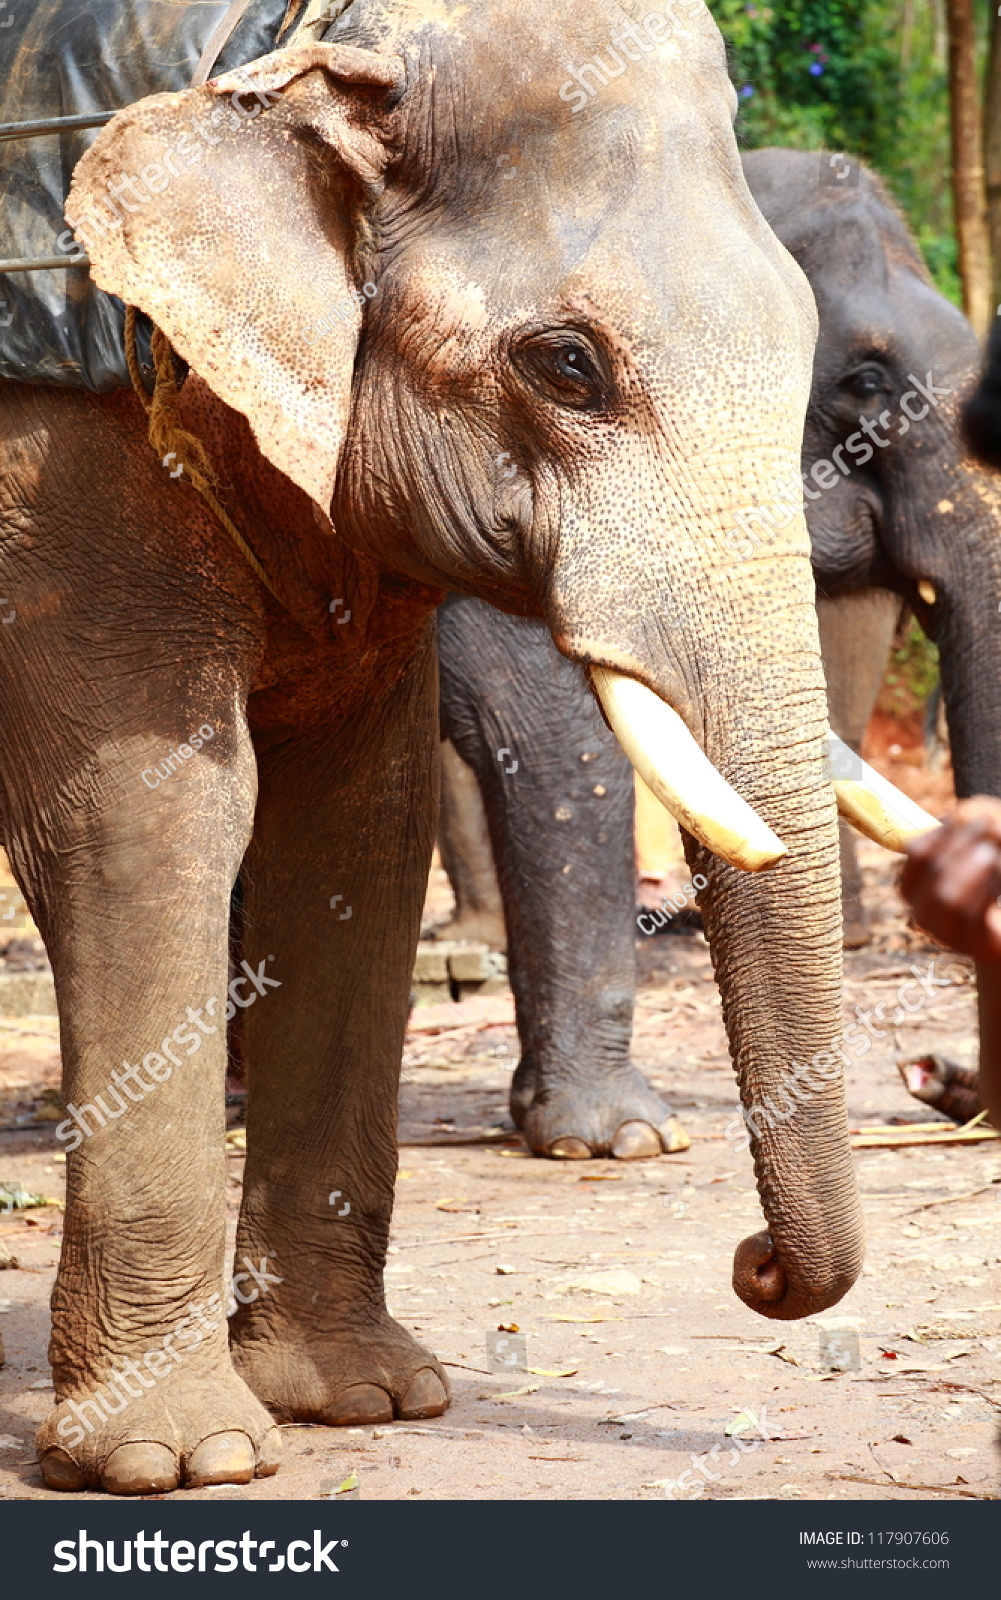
pixel 897 514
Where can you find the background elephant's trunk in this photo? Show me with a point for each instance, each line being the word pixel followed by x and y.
pixel 964 619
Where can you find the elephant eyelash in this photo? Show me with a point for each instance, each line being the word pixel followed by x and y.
pixel 854 382
pixel 566 369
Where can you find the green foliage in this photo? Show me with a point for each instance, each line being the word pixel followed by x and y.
pixel 864 76
pixel 911 675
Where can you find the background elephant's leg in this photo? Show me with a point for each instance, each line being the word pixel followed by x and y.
pixel 856 632
pixel 334 887
pixel 467 855
pixel 560 811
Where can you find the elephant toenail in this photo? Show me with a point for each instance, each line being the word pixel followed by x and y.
pixel 674 1136
pixel 427 1396
pixel 363 1403
pixel 221 1458
pixel 636 1141
pixel 60 1472
pixel 140 1468
pixel 269 1456
pixel 568 1148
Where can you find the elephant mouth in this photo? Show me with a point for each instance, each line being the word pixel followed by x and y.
pixel 674 766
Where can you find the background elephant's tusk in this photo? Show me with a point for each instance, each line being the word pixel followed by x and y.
pixel 673 765
pixel 873 805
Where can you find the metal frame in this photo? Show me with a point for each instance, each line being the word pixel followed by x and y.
pixel 34 130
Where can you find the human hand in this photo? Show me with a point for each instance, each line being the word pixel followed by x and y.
pixel 952 880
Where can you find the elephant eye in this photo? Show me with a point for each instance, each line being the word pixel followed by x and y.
pixel 866 381
pixel 565 369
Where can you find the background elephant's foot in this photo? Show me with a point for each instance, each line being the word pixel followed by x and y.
pixel 618 1115
pixel 187 1430
pixel 364 1374
pixel 857 932
pixel 478 927
pixel 944 1085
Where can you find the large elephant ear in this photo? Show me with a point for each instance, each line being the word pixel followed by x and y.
pixel 231 215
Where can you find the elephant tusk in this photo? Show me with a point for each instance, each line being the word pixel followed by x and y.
pixel 680 774
pixel 871 803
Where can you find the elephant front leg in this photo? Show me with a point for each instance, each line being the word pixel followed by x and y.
pixel 132 896
pixel 334 889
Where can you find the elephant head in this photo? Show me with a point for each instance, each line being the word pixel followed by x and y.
pixel 893 499
pixel 489 286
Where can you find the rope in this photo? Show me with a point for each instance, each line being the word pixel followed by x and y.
pixel 169 438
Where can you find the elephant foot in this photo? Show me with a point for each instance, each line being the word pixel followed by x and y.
pixel 358 1377
pixel 620 1116
pixel 474 927
pixel 186 1430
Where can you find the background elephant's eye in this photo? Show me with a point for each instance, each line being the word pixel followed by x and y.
pixel 867 381
pixel 565 370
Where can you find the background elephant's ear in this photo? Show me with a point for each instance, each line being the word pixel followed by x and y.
pixel 232 215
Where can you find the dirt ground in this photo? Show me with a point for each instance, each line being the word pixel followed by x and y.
pixel 638 1355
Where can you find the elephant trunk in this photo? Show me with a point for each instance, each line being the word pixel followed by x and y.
pixel 776 947
pixel 736 654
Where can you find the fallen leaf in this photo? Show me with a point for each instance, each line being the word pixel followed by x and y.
pixel 740 1424
pixel 512 1394
pixel 508 1327
pixel 901 1438
pixel 44 1383
pixel 600 1177
pixel 613 1282
pixel 554 1372
pixel 941 1488
pixel 14 1197
pixel 918 1133
pixel 634 1416
pixel 569 1317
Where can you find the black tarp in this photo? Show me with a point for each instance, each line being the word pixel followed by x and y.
pixel 61 58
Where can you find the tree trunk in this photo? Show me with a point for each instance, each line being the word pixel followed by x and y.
pixel 992 152
pixel 969 200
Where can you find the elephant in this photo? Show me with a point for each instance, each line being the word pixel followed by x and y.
pixel 899 526
pixel 371 299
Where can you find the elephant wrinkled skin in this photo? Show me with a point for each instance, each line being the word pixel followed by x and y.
pixel 608 319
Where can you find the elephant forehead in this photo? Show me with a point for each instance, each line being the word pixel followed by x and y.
pixel 495 82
